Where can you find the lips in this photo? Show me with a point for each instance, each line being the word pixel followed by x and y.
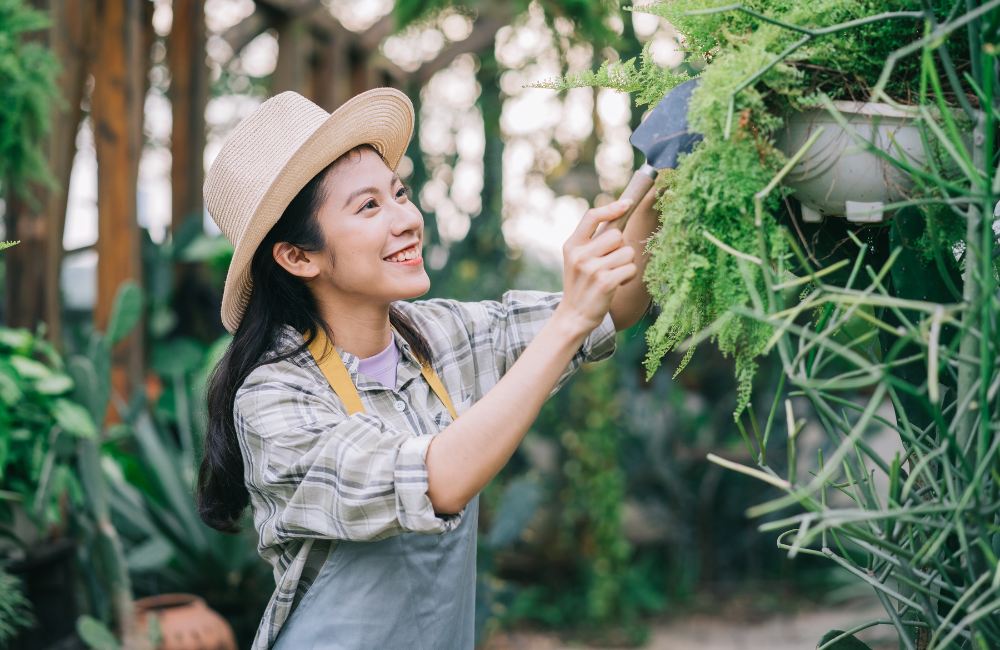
pixel 409 254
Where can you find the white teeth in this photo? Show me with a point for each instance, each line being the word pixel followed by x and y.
pixel 402 256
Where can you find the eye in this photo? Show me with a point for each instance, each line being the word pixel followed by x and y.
pixel 371 205
pixel 402 191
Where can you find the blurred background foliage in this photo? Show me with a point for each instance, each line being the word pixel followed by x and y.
pixel 607 514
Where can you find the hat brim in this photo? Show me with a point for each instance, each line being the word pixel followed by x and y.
pixel 382 117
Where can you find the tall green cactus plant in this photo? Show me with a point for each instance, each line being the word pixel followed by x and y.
pixel 92 375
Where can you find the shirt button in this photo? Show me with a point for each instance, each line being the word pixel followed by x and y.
pixel 400 405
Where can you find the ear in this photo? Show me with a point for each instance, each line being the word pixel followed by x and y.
pixel 296 261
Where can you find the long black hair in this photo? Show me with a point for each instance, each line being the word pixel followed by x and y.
pixel 277 298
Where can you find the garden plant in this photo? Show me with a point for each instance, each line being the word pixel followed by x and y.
pixel 902 310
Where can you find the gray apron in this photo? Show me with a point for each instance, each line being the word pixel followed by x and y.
pixel 409 592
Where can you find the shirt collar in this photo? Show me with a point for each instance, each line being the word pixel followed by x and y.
pixel 407 369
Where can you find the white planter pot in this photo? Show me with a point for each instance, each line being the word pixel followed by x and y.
pixel 836 176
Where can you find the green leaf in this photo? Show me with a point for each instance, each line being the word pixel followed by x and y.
pixel 126 313
pixel 87 389
pixel 96 634
pixel 29 368
pixel 99 353
pixel 73 418
pixel 10 386
pixel 205 248
pixel 178 357
pixel 151 555
pixel 849 642
pixel 517 508
pixel 54 385
pixel 19 339
pixel 94 486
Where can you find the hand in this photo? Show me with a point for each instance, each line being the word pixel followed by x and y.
pixel 593 269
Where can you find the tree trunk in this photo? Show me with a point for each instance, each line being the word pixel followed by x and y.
pixel 188 97
pixel 25 265
pixel 72 39
pixel 119 73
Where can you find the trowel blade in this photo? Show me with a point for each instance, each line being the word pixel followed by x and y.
pixel 664 133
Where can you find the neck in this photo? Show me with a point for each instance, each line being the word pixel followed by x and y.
pixel 360 327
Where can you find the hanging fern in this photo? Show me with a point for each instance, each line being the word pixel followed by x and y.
pixel 693 281
pixel 650 82
pixel 28 73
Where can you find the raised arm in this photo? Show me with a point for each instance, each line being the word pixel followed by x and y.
pixel 468 453
pixel 632 299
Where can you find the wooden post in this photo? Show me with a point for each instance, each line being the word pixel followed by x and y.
pixel 119 75
pixel 294 49
pixel 71 38
pixel 188 97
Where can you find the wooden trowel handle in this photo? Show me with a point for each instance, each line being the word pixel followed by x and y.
pixel 636 190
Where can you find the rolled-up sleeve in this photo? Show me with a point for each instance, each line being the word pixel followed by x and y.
pixel 320 473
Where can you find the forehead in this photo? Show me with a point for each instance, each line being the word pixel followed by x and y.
pixel 356 166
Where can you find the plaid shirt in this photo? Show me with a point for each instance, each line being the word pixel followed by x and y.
pixel 317 476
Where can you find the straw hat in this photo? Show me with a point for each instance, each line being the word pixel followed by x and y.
pixel 274 152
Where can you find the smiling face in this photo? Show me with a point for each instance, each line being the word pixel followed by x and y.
pixel 373 234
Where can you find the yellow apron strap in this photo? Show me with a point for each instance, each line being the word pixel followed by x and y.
pixel 333 368
pixel 438 389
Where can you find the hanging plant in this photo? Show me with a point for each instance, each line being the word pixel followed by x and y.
pixel 28 72
pixel 766 61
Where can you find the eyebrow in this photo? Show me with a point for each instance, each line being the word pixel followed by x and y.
pixel 365 190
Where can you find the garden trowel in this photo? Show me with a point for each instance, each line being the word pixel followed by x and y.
pixel 661 136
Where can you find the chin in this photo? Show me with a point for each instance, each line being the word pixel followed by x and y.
pixel 414 289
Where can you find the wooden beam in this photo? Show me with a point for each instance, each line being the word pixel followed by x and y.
pixel 188 97
pixel 120 78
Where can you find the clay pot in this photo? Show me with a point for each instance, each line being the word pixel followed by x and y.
pixel 186 623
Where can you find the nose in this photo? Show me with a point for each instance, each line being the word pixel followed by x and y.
pixel 406 218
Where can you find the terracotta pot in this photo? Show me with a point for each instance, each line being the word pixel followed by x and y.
pixel 186 623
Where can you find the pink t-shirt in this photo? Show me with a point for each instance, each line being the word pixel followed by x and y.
pixel 382 367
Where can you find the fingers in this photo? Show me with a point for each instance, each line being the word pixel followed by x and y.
pixel 594 217
pixel 604 243
pixel 614 259
pixel 596 267
pixel 623 274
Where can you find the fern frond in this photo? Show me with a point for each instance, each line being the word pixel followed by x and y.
pixel 8 244
pixel 649 80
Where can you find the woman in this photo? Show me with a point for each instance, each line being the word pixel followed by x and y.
pixel 362 477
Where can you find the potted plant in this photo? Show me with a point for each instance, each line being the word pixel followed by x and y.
pixel 39 429
pixel 734 262
pixel 763 81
